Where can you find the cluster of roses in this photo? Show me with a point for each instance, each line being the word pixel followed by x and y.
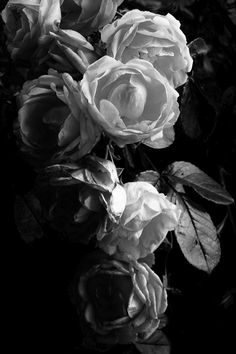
pixel 121 86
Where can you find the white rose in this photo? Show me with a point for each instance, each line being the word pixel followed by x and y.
pixel 155 38
pixel 131 102
pixel 145 222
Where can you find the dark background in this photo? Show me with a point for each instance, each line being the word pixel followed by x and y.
pixel 37 276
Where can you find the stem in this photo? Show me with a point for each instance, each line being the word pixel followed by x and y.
pixel 110 153
pixel 149 161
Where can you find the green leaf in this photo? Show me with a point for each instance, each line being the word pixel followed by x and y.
pixel 27 217
pixel 189 175
pixel 197 236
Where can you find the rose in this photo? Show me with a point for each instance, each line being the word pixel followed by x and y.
pixel 87 16
pixel 152 37
pixel 51 121
pixel 131 102
pixel 41 116
pixel 75 194
pixel 121 302
pixel 26 22
pixel 145 222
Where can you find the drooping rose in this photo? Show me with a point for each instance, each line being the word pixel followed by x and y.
pixel 51 121
pixel 145 222
pixel 121 302
pixel 77 198
pixel 27 22
pixel 155 38
pixel 131 102
pixel 87 16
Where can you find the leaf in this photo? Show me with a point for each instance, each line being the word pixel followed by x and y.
pixel 149 176
pixel 27 217
pixel 189 175
pixel 158 343
pixel 197 236
pixel 198 46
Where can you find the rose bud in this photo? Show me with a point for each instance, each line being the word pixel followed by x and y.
pixel 52 122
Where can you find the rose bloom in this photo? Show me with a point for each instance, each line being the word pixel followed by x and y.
pixel 50 119
pixel 75 194
pixel 147 218
pixel 131 102
pixel 152 37
pixel 121 302
pixel 87 16
pixel 26 22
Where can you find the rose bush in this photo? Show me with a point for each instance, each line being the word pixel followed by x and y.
pixel 145 222
pixel 131 102
pixel 87 16
pixel 51 120
pixel 27 22
pixel 153 37
pixel 74 194
pixel 121 302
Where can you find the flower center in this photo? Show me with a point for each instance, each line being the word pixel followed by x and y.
pixel 129 100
